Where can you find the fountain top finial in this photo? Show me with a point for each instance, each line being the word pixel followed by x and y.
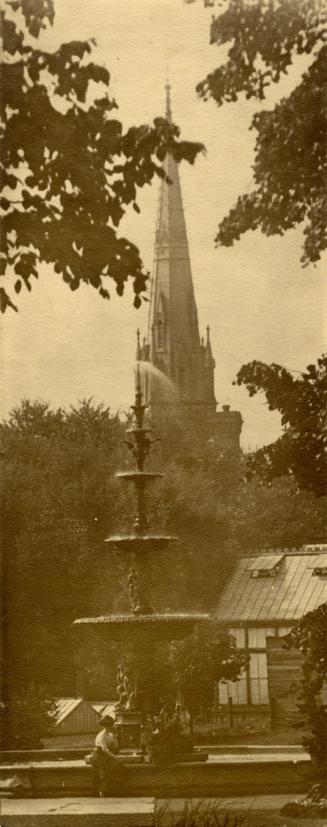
pixel 138 380
pixel 138 406
pixel 138 346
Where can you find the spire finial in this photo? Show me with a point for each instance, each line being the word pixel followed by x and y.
pixel 168 101
pixel 209 360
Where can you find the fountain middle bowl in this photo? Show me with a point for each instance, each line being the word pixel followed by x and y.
pixel 136 476
pixel 140 542
pixel 156 626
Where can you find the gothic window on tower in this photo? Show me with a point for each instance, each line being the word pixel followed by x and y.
pixel 160 334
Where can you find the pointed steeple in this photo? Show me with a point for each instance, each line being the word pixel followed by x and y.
pixel 173 331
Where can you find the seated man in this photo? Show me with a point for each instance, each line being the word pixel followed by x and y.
pixel 105 739
pixel 109 771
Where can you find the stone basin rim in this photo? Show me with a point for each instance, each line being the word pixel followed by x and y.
pixel 144 619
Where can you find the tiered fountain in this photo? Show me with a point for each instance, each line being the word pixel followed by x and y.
pixel 138 632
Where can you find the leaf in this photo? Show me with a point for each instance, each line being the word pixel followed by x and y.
pixel 104 293
pixel 5 301
pixel 8 180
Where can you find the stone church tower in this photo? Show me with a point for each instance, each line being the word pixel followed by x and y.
pixel 181 365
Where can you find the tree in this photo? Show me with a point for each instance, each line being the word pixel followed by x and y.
pixel 302 402
pixel 28 716
pixel 290 166
pixel 200 662
pixel 58 478
pixel 68 169
pixel 277 514
pixel 310 636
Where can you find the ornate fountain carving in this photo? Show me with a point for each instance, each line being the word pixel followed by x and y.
pixel 125 689
pixel 138 587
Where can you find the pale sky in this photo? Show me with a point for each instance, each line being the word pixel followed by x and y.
pixel 258 300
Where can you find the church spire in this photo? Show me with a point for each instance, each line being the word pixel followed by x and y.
pixel 173 331
pixel 173 344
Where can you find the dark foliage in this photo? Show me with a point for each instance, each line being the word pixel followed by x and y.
pixel 302 402
pixel 27 718
pixel 200 662
pixel 290 166
pixel 53 523
pixel 68 169
pixel 310 636
pixel 164 738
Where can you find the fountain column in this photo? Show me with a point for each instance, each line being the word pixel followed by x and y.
pixel 134 673
pixel 138 632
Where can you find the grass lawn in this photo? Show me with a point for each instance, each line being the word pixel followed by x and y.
pixel 220 819
pixel 277 821
pixel 203 814
pixel 266 820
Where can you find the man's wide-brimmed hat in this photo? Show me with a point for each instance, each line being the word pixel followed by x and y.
pixel 107 720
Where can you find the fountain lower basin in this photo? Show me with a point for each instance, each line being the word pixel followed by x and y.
pixel 156 626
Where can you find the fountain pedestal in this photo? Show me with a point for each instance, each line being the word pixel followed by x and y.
pixel 128 727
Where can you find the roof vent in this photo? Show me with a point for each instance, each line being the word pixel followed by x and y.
pixel 320 571
pixel 267 565
pixel 319 566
